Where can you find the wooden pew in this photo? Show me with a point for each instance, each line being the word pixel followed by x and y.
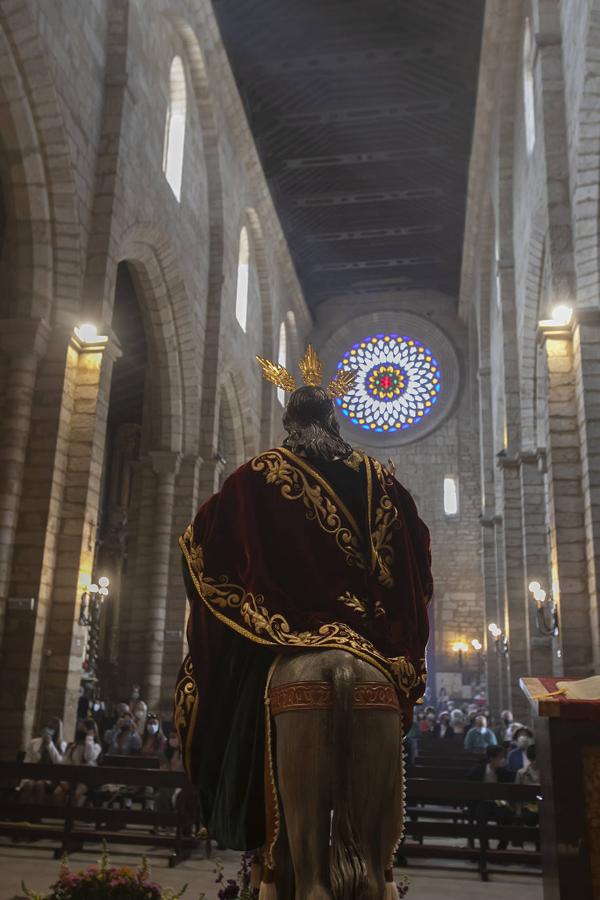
pixel 470 797
pixel 65 823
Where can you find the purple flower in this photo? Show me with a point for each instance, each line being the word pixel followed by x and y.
pixel 230 891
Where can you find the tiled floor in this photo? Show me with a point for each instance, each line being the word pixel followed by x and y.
pixel 37 868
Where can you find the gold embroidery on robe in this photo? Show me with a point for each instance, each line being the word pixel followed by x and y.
pixel 186 710
pixel 294 485
pixel 353 602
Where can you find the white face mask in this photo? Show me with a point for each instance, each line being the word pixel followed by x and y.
pixel 483 729
pixel 523 742
pixel 153 728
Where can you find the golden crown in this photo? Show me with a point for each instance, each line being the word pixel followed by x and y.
pixel 311 368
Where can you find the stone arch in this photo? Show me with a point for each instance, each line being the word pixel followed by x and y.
pixel 232 442
pixel 27 286
pixel 194 58
pixel 586 194
pixel 39 195
pixel 170 332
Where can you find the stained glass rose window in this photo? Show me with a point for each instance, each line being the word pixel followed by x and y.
pixel 397 385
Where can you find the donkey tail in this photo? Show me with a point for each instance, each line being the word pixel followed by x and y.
pixel 347 866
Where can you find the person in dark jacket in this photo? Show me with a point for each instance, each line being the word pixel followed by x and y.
pixel 492 770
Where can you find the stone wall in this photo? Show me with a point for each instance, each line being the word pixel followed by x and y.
pixel 532 223
pixel 83 108
pixel 450 447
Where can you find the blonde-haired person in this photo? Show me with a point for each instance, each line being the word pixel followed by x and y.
pixel 85 750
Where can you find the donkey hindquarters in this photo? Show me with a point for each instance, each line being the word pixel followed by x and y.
pixel 346 760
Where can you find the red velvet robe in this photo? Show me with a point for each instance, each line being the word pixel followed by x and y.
pixel 278 558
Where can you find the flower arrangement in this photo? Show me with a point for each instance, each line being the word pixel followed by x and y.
pixel 105 882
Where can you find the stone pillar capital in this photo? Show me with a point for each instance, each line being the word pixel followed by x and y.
pixel 549 331
pixel 165 462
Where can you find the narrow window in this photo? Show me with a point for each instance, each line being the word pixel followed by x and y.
pixel 281 359
pixel 528 93
pixel 450 495
pixel 497 263
pixel 241 296
pixel 175 128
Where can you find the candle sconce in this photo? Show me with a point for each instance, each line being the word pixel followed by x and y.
pixel 547 620
pixel 500 639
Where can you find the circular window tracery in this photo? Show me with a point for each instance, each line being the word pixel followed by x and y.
pixel 397 385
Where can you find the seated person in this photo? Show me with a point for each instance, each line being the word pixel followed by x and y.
pixel 84 751
pixel 48 748
pixel 529 812
pixel 517 758
pixel 480 736
pixel 492 770
pixel 442 729
pixel 123 739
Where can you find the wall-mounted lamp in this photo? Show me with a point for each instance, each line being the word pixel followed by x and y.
pixel 87 333
pixel 476 645
pixel 459 648
pixel 92 599
pixel 90 610
pixel 500 639
pixel 561 316
pixel 547 622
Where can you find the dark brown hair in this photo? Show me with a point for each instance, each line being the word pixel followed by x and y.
pixel 312 427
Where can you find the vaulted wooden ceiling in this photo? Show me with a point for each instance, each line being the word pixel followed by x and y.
pixel 362 112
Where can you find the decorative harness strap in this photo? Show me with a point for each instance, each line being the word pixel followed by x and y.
pixel 302 695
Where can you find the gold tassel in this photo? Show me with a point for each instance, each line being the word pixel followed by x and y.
pixel 391 891
pixel 268 891
pixel 255 874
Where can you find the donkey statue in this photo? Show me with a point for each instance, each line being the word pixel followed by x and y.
pixel 336 748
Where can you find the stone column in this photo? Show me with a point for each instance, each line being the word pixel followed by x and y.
pixel 586 347
pixel 566 505
pixel 490 587
pixel 166 466
pixel 516 609
pixel 89 377
pixel 24 341
pixel 185 508
pixel 535 551
pixel 502 662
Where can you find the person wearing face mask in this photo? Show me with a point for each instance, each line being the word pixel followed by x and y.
pixel 123 739
pixel 479 737
pixel 84 751
pixel 48 748
pixel 140 715
pixel 154 742
pixel 517 758
pixel 501 730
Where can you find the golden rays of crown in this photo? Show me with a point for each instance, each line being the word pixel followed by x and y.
pixel 311 368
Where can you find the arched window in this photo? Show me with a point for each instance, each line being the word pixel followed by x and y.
pixel 241 296
pixel 528 94
pixel 175 128
pixel 450 496
pixel 282 358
